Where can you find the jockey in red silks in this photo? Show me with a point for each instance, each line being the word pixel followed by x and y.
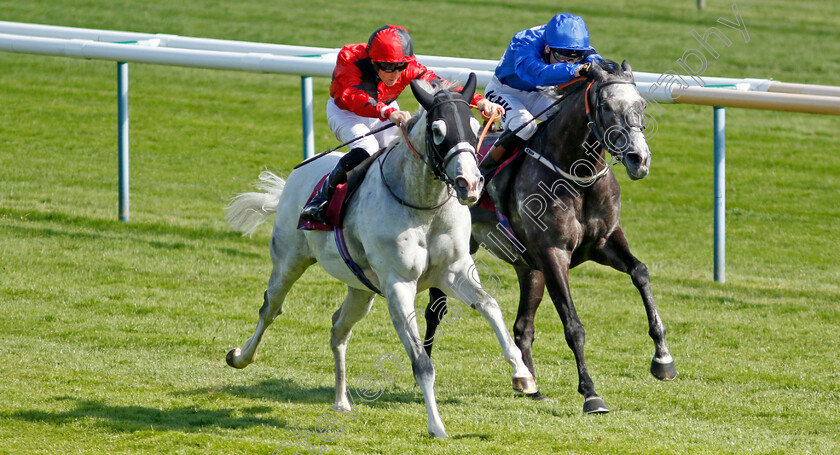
pixel 366 82
pixel 537 58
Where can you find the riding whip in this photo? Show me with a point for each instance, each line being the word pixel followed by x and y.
pixel 373 131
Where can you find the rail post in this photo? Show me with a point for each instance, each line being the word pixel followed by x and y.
pixel 720 194
pixel 122 137
pixel 306 112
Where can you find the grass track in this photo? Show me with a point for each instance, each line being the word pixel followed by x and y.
pixel 113 334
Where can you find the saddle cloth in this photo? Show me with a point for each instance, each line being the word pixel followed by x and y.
pixel 341 199
pixel 498 185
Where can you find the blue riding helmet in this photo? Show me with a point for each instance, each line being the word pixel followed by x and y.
pixel 567 31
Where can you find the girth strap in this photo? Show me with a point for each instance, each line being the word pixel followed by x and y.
pixel 581 180
pixel 355 268
pixel 507 230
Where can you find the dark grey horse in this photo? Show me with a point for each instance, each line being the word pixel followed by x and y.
pixel 563 206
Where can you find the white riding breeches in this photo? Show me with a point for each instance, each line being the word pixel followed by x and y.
pixel 519 106
pixel 346 126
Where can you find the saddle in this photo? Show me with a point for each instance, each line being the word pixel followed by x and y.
pixel 341 198
pixel 502 175
pixel 491 206
pixel 492 197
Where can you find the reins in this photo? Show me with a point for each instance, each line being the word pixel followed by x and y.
pixel 399 199
pixel 489 121
pixel 408 142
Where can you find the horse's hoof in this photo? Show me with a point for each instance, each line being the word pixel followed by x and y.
pixel 440 434
pixel 525 385
pixel 540 397
pixel 343 408
pixel 595 405
pixel 231 354
pixel 663 371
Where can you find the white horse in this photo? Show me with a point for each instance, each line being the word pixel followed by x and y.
pixel 403 229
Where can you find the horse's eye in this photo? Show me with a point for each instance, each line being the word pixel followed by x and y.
pixel 438 131
pixel 475 125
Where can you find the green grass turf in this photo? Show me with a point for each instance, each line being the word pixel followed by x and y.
pixel 113 335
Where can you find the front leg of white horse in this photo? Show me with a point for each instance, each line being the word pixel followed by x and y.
pixel 400 295
pixel 464 286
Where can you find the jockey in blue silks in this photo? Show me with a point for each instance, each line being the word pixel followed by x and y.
pixel 540 57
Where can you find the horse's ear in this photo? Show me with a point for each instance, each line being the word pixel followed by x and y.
pixel 627 70
pixel 425 98
pixel 469 88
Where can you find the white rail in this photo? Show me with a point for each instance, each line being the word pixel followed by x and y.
pixel 457 67
pixel 162 49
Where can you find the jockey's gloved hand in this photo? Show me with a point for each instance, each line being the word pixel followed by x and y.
pixel 400 118
pixel 593 57
pixel 583 70
pixel 488 108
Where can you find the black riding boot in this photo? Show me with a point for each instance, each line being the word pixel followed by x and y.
pixel 316 210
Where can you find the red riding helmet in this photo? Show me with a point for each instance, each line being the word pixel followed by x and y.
pixel 390 43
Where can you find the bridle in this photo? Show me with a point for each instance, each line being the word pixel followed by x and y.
pixel 594 117
pixel 595 124
pixel 441 159
pixel 436 160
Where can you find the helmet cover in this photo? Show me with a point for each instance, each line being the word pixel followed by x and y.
pixel 390 43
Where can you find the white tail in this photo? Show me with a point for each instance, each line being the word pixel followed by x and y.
pixel 246 211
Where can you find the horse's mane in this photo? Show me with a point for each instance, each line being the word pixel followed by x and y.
pixel 610 67
pixel 414 119
pixel 421 113
pixel 413 132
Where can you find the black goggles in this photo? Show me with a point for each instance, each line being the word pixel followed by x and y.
pixel 568 54
pixel 390 67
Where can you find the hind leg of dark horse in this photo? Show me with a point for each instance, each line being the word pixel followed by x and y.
pixel 556 272
pixel 435 311
pixel 531 290
pixel 615 252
